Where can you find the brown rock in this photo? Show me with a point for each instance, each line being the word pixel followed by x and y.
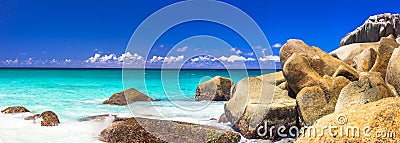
pixel 347 72
pixel 34 117
pixel 150 130
pixel 216 89
pixel 371 87
pixel 14 109
pixel 223 119
pixel 322 62
pixel 369 119
pixel 127 97
pixel 347 53
pixel 365 60
pixel 393 70
pixel 311 102
pixel 299 73
pixel 385 50
pixel 391 87
pixel 273 78
pixel 317 101
pixel 374 29
pixel 254 104
pixel 97 117
pixel 49 119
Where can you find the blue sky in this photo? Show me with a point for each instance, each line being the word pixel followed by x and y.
pixel 95 33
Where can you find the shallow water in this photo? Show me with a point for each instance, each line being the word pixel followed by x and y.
pixel 76 93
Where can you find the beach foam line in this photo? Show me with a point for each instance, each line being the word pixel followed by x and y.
pixel 14 129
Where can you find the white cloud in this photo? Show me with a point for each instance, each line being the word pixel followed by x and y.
pixel 12 61
pixel 269 58
pixel 249 54
pixel 234 58
pixel 94 58
pixel 53 61
pixel 237 51
pixel 106 58
pixel 169 59
pixel 202 58
pixel 67 60
pixel 277 45
pixel 183 49
pixel 129 57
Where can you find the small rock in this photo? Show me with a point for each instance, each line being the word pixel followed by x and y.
pixel 49 119
pixel 126 97
pixel 216 89
pixel 97 117
pixel 223 119
pixel 34 117
pixel 15 109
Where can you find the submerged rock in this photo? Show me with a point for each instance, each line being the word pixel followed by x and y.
pixel 373 29
pixel 216 89
pixel 97 117
pixel 358 124
pixel 49 118
pixel 162 131
pixel 14 109
pixel 126 97
pixel 33 117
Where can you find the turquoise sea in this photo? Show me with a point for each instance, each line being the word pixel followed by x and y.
pixel 77 93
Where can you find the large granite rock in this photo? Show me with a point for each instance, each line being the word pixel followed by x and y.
pixel 126 97
pixel 49 118
pixel 393 70
pixel 163 131
pixel 317 101
pixel 373 29
pixel 348 53
pixel 299 73
pixel 371 87
pixel 216 89
pixel 365 60
pixel 384 52
pixel 257 102
pixel 361 122
pixel 14 109
pixel 322 62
